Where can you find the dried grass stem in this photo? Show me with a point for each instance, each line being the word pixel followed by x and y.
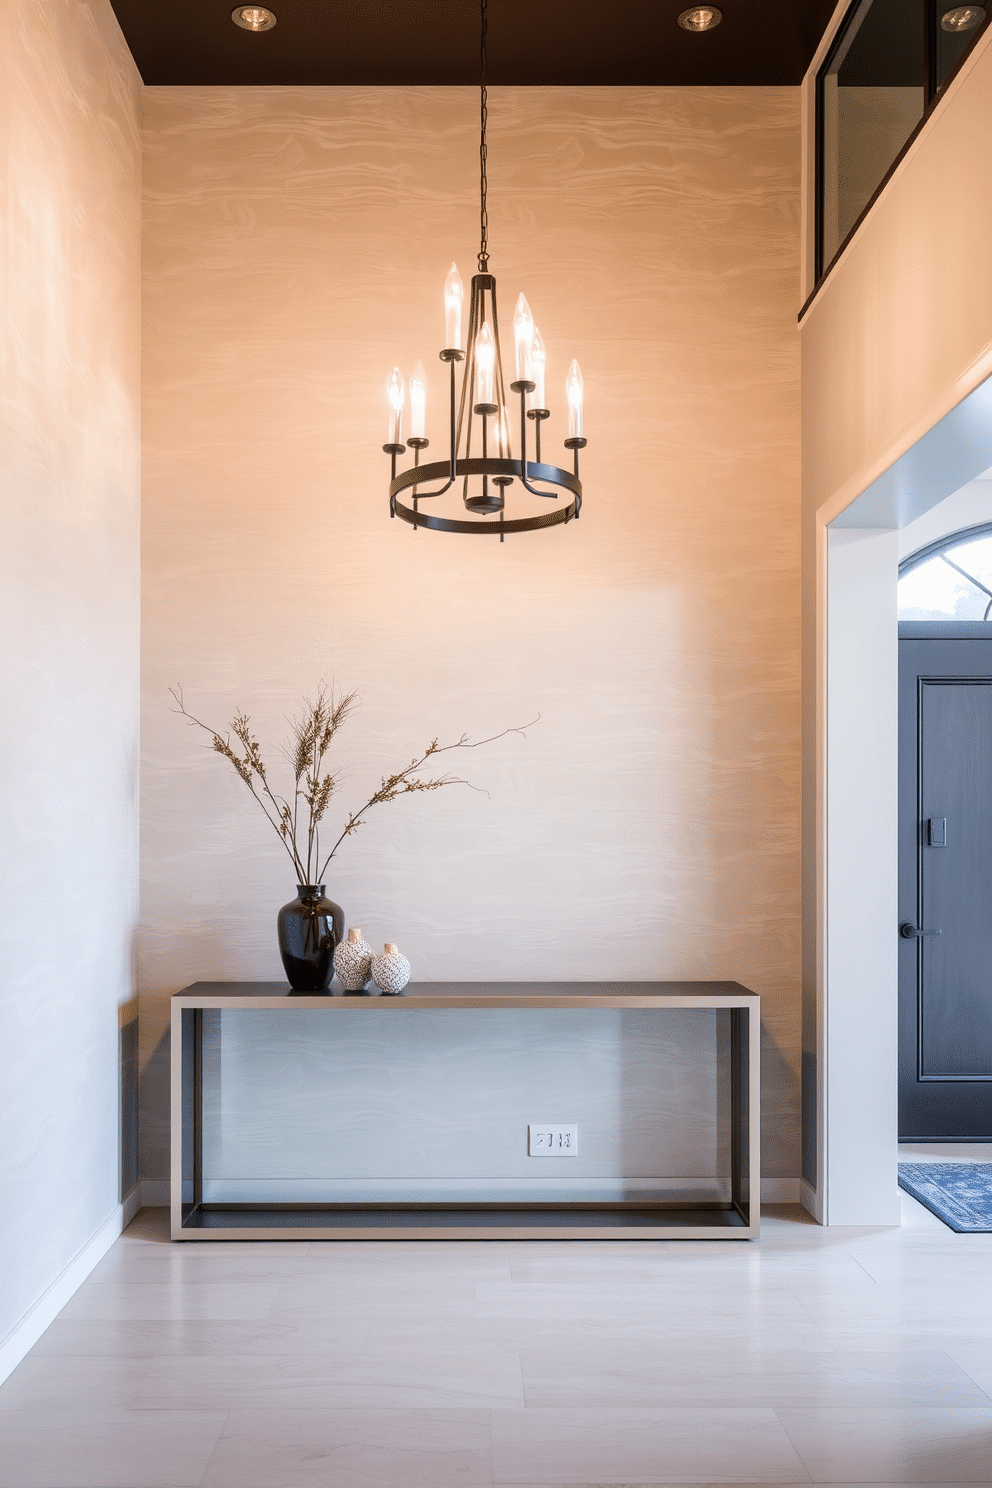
pixel 314 785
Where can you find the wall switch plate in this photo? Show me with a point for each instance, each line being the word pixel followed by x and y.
pixel 549 1139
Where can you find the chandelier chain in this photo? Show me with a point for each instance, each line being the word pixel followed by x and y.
pixel 483 183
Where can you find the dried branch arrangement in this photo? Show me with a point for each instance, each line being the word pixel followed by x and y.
pixel 296 817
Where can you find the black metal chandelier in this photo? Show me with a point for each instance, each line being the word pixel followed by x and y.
pixel 481 410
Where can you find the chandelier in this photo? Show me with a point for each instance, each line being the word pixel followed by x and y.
pixel 478 413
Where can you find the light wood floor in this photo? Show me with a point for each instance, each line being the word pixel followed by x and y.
pixel 826 1356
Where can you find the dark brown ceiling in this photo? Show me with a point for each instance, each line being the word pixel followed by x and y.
pixel 550 42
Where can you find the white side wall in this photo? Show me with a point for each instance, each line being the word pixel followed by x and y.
pixel 860 1049
pixel 69 468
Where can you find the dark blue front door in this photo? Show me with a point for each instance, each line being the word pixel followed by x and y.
pixel 945 882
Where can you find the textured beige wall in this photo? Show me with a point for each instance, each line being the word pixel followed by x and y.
pixel 295 244
pixel 70 223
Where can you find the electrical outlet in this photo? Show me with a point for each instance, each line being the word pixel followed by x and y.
pixel 548 1139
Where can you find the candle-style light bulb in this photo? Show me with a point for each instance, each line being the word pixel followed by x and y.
pixel 454 302
pixel 538 368
pixel 573 392
pixel 523 338
pixel 418 403
pixel 485 362
pixel 395 392
pixel 504 435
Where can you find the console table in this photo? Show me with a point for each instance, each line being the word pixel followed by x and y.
pixel 726 1207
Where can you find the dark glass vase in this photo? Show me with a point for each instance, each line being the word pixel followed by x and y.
pixel 309 929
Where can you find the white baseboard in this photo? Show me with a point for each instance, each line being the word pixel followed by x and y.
pixel 810 1200
pixel 25 1335
pixel 780 1190
pixel 131 1206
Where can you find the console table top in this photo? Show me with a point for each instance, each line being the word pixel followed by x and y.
pixel 475 994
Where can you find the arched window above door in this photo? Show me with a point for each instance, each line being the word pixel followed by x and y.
pixel 950 579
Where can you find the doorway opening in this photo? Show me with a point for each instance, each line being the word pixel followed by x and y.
pixel 945 840
pixel 939 486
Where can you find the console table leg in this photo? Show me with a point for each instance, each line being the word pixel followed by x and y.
pixel 746 1109
pixel 187 1100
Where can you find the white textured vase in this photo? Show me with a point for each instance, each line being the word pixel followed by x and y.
pixel 353 962
pixel 391 970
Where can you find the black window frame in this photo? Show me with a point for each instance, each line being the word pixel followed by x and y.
pixel 932 95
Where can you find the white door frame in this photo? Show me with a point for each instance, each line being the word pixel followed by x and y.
pixel 857 838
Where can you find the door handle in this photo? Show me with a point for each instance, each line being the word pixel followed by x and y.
pixel 911 932
pixel 937 831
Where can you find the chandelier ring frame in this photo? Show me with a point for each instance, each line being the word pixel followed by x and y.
pixel 503 472
pixel 559 516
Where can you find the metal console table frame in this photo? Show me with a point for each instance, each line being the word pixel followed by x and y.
pixel 634 1219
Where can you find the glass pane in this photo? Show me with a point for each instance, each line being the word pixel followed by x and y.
pixel 434 1104
pixel 956 29
pixel 873 96
pixel 953 585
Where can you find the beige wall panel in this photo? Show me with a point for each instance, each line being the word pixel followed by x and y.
pixel 905 317
pixel 295 245
pixel 70 225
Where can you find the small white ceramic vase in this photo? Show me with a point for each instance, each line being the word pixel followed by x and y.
pixel 353 962
pixel 391 970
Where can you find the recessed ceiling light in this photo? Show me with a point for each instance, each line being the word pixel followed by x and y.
pixel 253 17
pixel 700 18
pixel 962 18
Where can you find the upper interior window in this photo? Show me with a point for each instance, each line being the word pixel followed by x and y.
pixel 950 579
pixel 882 76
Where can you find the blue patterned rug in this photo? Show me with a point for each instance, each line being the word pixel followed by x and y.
pixel 958 1193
